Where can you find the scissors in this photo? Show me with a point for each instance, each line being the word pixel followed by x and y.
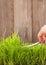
pixel 28 46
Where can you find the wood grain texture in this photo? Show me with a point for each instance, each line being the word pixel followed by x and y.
pixel 6 18
pixel 39 16
pixel 22 19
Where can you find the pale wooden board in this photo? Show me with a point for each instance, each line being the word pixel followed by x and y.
pixel 22 19
pixel 6 18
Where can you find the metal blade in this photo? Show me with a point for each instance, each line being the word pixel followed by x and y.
pixel 32 45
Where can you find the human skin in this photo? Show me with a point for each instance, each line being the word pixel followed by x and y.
pixel 42 34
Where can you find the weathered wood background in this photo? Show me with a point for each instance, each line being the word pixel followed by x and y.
pixel 6 18
pixel 24 17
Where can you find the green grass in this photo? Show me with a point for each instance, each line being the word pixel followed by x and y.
pixel 12 52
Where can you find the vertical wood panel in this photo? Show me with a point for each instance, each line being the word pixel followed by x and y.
pixel 6 18
pixel 29 20
pixel 39 16
pixel 22 19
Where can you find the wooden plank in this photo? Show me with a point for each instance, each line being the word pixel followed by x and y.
pixel 22 19
pixel 6 18
pixel 29 20
pixel 39 16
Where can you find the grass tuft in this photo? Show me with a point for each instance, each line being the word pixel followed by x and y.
pixel 13 53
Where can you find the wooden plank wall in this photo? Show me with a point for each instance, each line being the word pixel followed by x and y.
pixel 6 18
pixel 22 19
pixel 39 16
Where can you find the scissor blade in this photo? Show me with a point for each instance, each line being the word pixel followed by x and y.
pixel 32 45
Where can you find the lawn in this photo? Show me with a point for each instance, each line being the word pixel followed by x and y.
pixel 13 52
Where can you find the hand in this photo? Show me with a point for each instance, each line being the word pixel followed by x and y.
pixel 42 34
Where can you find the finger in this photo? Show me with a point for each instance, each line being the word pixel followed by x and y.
pixel 44 37
pixel 40 39
pixel 40 34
